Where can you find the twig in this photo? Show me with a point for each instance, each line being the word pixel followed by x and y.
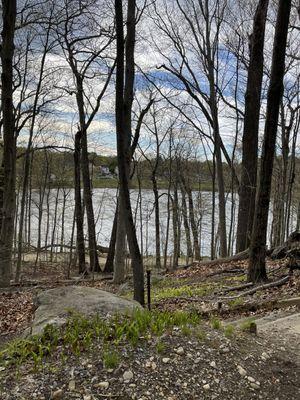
pixel 235 288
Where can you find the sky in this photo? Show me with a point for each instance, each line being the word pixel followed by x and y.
pixel 153 49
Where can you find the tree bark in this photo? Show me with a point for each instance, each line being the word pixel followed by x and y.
pixel 109 264
pixel 257 263
pixel 9 142
pixel 124 98
pixel 120 252
pixel 186 225
pixel 247 190
pixel 78 205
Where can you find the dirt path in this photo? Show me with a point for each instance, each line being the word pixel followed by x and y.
pixel 283 330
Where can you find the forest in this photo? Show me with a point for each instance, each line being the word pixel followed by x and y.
pixel 150 199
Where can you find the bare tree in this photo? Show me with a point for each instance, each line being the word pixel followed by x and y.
pixel 7 191
pixel 247 189
pixel 257 269
pixel 84 44
pixel 124 96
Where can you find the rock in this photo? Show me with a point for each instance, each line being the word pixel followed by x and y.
pixel 213 364
pixel 72 385
pixel 165 360
pixel 225 350
pixel 241 371
pixel 103 385
pixel 128 376
pixel 250 379
pixel 54 305
pixel 179 351
pixel 87 397
pixel 153 366
pixel 255 385
pixel 206 386
pixel 57 395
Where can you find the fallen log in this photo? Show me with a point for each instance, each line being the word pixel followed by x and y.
pixel 270 285
pixel 237 257
pixel 101 249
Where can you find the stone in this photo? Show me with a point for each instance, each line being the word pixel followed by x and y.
pixel 213 364
pixel 103 385
pixel 241 371
pixel 179 351
pixel 57 395
pixel 265 356
pixel 128 376
pixel 72 385
pixel 165 360
pixel 225 350
pixel 206 386
pixel 54 305
pixel 255 386
pixel 153 366
pixel 250 379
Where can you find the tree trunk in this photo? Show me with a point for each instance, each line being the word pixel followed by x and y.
pixel 109 264
pixel 88 201
pixel 298 218
pixel 120 253
pixel 78 205
pixel 186 225
pixel 157 223
pixel 7 213
pixel 175 220
pixel 247 190
pixel 257 266
pixel 124 98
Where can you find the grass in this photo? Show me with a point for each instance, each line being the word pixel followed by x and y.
pixel 215 323
pixel 80 333
pixel 110 359
pixel 164 292
pixel 248 326
pixel 236 302
pixel 229 331
pixel 160 347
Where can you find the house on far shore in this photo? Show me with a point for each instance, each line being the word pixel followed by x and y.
pixel 104 170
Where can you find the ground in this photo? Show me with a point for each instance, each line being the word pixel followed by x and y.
pixel 215 359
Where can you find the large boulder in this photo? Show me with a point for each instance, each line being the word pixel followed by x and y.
pixel 55 305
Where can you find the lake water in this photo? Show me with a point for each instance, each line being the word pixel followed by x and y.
pixel 104 207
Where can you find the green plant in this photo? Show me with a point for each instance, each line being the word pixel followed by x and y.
pixel 200 334
pixel 215 323
pixel 249 326
pixel 236 302
pixel 160 347
pixel 110 359
pixel 229 331
pixel 186 330
pixel 80 333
